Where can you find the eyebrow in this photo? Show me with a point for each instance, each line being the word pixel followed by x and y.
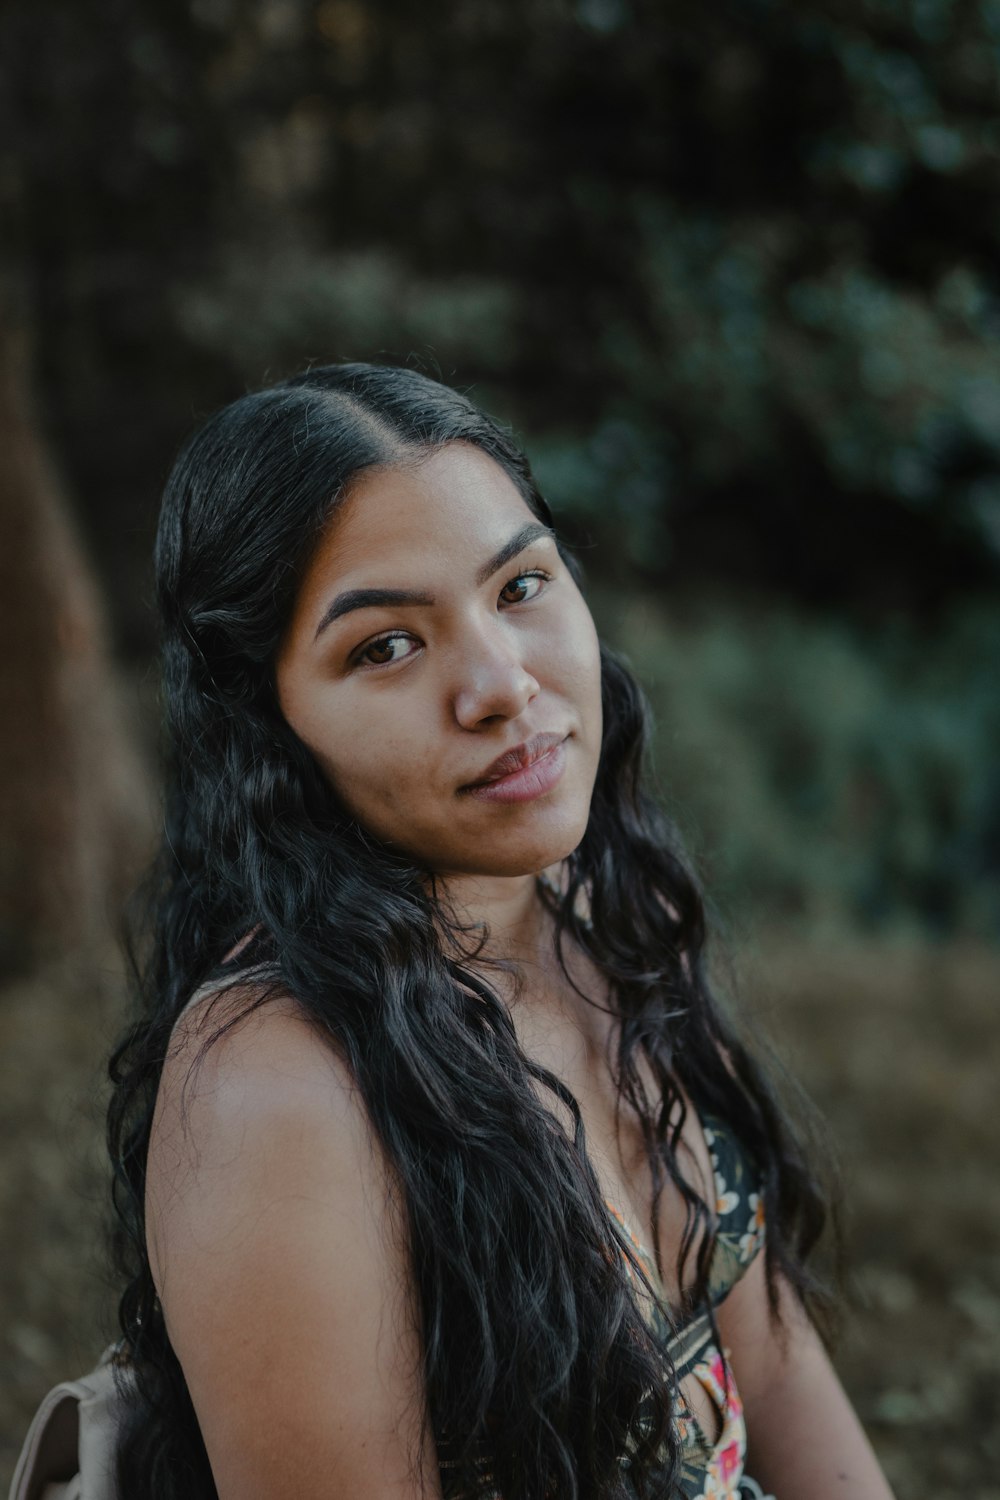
pixel 352 599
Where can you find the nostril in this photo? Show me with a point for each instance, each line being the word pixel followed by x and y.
pixel 494 695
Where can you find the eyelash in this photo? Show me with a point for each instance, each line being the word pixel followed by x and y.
pixel 539 573
pixel 398 635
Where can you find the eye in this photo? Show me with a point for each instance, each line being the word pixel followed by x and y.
pixel 383 651
pixel 524 587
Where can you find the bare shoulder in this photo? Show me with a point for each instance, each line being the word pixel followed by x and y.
pixel 246 1083
pixel 240 1058
pixel 280 1257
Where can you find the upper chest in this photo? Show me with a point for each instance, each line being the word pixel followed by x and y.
pixel 578 1043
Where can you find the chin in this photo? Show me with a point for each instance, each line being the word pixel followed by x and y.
pixel 524 856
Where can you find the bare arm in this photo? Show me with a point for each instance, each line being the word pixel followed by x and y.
pixel 283 1271
pixel 805 1440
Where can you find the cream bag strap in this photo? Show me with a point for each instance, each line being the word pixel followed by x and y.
pixel 69 1452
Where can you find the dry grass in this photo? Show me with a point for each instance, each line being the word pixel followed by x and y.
pixel 898 1045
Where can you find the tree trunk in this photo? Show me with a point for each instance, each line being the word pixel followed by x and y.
pixel 74 793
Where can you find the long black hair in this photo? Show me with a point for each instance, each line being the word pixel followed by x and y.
pixel 539 1371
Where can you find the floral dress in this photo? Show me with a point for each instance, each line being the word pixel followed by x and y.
pixel 712 1470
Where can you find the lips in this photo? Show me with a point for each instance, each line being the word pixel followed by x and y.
pixel 518 759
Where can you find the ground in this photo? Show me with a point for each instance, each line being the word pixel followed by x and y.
pixel 897 1044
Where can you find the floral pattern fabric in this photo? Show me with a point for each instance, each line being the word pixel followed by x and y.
pixel 712 1468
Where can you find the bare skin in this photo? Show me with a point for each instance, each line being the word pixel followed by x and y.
pixel 274 1232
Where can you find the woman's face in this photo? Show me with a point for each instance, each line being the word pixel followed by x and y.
pixel 443 668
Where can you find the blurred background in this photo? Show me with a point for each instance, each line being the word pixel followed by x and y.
pixel 731 273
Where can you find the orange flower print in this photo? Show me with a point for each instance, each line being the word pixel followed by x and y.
pixel 725 1199
pixel 750 1241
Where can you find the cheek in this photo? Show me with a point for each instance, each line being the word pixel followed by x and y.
pixel 575 666
pixel 380 773
pixel 373 756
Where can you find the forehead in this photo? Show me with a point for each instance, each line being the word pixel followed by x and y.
pixel 454 504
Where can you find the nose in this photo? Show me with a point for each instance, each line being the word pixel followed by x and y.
pixel 492 682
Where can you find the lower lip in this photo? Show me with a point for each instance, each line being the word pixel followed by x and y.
pixel 528 783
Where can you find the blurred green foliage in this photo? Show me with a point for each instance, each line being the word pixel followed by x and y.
pixel 823 777
pixel 732 271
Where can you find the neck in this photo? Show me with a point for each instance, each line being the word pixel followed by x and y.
pixel 510 910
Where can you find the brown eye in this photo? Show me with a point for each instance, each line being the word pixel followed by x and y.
pixel 525 586
pixel 383 652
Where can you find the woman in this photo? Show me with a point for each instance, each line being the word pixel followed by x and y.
pixel 440 1171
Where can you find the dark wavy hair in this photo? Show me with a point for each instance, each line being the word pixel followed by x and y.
pixel 539 1371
